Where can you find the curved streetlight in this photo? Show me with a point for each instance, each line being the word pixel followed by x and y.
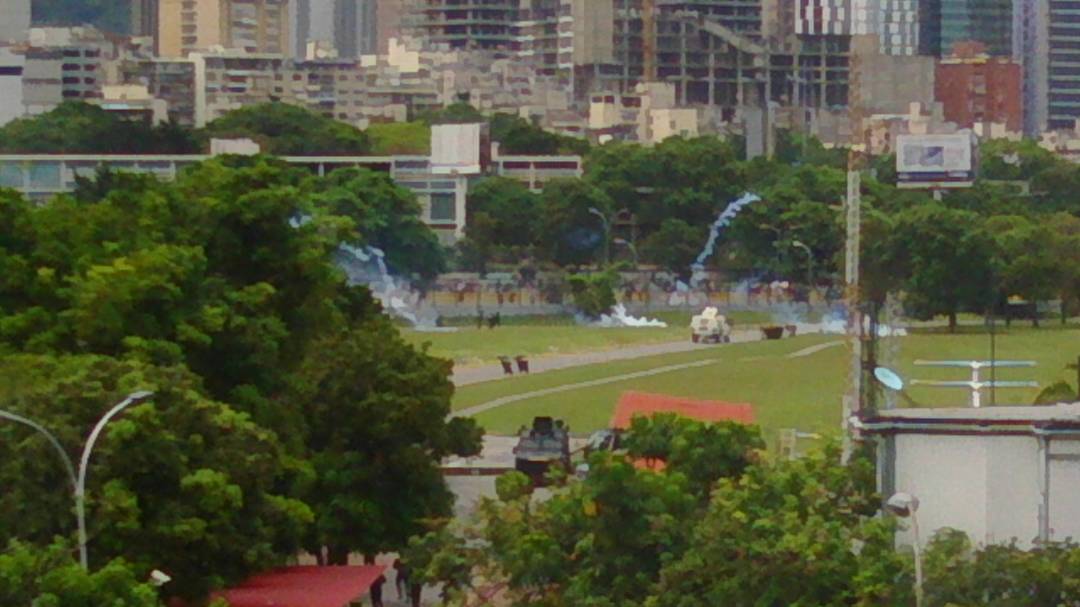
pixel 68 467
pixel 798 244
pixel 629 245
pixel 905 505
pixel 78 482
pixel 607 232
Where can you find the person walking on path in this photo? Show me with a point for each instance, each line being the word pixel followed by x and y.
pixel 376 591
pixel 401 578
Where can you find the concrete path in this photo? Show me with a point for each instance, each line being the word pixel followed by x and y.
pixel 814 349
pixel 475 375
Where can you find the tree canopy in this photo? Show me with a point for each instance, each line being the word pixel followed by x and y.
pixel 81 128
pixel 288 412
pixel 283 129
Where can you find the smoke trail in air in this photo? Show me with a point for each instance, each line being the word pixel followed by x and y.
pixel 722 222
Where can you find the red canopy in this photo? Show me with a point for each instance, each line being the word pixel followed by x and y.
pixel 642 403
pixel 304 587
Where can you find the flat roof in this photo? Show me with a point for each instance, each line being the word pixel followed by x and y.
pixel 1017 417
pixel 304 586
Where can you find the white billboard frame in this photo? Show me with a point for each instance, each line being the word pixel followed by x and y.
pixel 935 161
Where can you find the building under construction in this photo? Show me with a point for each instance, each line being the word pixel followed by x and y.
pixel 725 54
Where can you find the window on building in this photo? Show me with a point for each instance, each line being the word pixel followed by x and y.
pixel 443 206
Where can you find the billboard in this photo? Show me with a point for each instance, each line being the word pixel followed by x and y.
pixel 935 161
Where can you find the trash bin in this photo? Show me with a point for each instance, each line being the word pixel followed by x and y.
pixel 522 364
pixel 772 332
pixel 507 365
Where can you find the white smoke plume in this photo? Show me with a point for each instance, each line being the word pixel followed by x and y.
pixel 619 317
pixel 722 222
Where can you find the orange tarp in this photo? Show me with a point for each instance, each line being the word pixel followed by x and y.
pixel 642 403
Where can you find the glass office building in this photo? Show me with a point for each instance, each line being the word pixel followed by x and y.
pixel 947 22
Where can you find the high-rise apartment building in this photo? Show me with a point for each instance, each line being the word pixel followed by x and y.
pixel 144 17
pixel 14 20
pixel 721 53
pixel 1031 49
pixel 355 27
pixel 171 80
pixel 471 24
pixel 388 22
pixel 254 26
pixel 976 88
pixel 943 23
pixel 343 28
pixel 823 17
pixel 1062 68
pixel 894 22
pixel 11 89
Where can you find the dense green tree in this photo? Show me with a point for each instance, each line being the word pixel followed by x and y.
pixel 999 575
pixel 517 135
pixel 503 219
pixel 220 287
pixel 704 453
pixel 1005 160
pixel 793 147
pixel 675 246
pixel 282 129
pixel 1026 263
pixel 593 294
pixel 455 113
pixel 392 138
pixel 49 577
pixel 789 533
pixel 180 483
pixel 569 233
pixel 82 128
pixel 946 261
pixel 1066 250
pixel 374 418
pixel 386 216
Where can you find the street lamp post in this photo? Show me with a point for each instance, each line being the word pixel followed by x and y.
pixel 78 482
pixel 607 232
pixel 809 260
pixel 905 505
pixel 633 249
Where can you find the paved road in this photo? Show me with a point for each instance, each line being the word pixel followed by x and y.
pixel 475 375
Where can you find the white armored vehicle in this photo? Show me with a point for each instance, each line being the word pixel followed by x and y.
pixel 710 325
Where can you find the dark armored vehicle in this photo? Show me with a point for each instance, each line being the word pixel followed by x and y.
pixel 546 444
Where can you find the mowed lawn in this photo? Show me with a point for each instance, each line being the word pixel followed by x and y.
pixel 787 392
pixel 552 336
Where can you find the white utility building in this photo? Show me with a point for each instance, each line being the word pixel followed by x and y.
pixel 996 473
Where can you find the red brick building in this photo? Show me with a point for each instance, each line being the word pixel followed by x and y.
pixel 974 87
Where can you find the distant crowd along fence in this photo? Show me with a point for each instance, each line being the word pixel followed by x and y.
pixel 661 291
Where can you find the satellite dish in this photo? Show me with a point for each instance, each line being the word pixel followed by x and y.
pixel 889 379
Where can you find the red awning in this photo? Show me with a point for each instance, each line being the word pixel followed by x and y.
pixel 304 587
pixel 633 404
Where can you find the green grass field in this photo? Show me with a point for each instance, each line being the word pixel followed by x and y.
pixel 803 392
pixel 552 335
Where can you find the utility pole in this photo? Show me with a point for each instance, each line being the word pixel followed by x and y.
pixel 853 399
